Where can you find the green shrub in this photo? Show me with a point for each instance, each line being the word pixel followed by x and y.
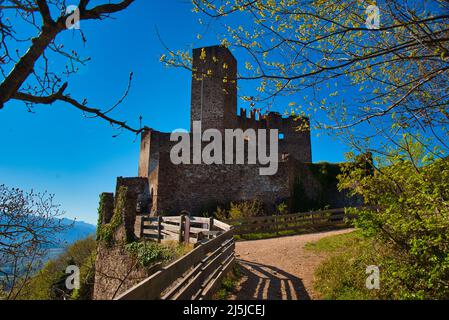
pixel 149 253
pixel 242 209
pixel 229 284
pixel 106 232
pixel 410 193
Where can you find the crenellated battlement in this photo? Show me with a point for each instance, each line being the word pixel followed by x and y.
pixel 271 120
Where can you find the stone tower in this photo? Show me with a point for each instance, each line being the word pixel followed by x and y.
pixel 214 88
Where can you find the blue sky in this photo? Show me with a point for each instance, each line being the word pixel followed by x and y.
pixel 58 150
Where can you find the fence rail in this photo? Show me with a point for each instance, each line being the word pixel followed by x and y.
pixel 181 228
pixel 195 276
pixel 290 222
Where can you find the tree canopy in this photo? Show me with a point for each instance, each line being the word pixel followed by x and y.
pixel 331 58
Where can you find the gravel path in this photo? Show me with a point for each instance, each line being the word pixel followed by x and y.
pixel 279 268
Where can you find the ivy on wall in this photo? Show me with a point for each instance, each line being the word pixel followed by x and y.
pixel 326 175
pixel 100 214
pixel 106 232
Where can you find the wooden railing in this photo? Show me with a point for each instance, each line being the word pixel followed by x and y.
pixel 198 274
pixel 181 228
pixel 195 276
pixel 290 222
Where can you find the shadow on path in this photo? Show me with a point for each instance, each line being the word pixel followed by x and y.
pixel 264 282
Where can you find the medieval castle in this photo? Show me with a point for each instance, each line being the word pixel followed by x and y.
pixel 165 188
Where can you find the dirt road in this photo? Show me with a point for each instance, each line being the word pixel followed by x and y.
pixel 279 268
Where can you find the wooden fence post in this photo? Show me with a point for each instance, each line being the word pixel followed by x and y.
pixel 211 226
pixel 181 227
pixel 142 226
pixel 159 229
pixel 187 230
pixel 276 223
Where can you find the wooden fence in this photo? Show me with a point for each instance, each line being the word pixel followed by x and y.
pixel 195 276
pixel 290 222
pixel 181 228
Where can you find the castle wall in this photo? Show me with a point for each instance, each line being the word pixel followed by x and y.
pixel 201 188
pixel 116 270
pixel 317 185
pixel 296 143
pixel 174 188
pixel 214 88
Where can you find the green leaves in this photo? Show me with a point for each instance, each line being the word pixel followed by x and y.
pixel 148 252
pixel 105 233
pixel 410 192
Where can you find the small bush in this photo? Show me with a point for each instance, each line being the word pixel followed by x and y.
pixel 239 210
pixel 149 253
pixel 229 283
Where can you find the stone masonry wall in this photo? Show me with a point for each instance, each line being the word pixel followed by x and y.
pixel 115 269
pixel 201 188
pixel 214 88
pixel 294 142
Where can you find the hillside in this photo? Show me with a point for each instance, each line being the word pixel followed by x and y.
pixel 80 230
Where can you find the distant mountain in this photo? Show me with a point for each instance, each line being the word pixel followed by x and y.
pixel 80 230
pixel 76 230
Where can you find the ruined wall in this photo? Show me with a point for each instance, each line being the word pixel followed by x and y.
pixel 201 188
pixel 214 88
pixel 314 186
pixel 115 269
pixel 294 142
pixel 214 103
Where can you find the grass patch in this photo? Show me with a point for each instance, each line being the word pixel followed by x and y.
pixel 335 243
pixel 229 284
pixel 342 276
pixel 297 232
pixel 259 236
